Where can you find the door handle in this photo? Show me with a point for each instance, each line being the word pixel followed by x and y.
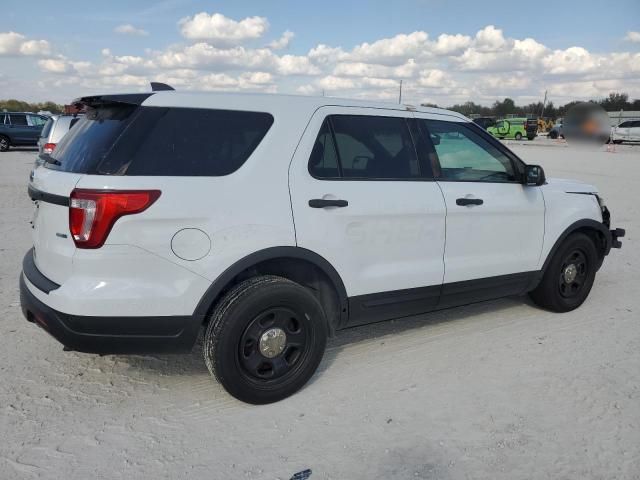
pixel 322 202
pixel 464 202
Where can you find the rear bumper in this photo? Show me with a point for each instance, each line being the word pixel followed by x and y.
pixel 170 334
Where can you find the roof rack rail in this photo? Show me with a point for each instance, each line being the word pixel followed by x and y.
pixel 160 87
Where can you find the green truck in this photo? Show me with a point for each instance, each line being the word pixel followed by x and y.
pixel 516 128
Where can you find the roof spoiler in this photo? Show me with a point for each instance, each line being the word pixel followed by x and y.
pixel 160 87
pixel 124 98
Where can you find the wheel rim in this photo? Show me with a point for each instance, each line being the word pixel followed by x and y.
pixel 573 274
pixel 3 143
pixel 274 344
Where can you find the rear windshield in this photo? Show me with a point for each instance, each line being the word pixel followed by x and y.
pixel 131 140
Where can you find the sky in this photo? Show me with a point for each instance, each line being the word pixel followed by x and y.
pixel 444 52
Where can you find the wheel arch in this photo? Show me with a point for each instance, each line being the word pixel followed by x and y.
pixel 597 231
pixel 295 263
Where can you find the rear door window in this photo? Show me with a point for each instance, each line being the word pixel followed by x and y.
pixel 47 128
pixel 365 147
pixel 18 119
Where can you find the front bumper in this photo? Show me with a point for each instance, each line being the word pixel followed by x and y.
pixel 170 334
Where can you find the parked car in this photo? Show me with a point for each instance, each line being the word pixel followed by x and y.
pixel 515 128
pixel 628 131
pixel 55 128
pixel 20 129
pixel 272 222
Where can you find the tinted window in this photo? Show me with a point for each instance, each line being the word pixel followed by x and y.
pixel 73 122
pixel 372 147
pixel 92 138
pixel 635 124
pixel 323 162
pixel 465 155
pixel 18 119
pixel 196 142
pixel 625 125
pixel 129 140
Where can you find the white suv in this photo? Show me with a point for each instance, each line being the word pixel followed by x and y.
pixel 274 221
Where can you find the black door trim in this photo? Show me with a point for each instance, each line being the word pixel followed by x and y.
pixel 376 307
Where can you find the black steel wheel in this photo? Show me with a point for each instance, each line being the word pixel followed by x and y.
pixel 265 339
pixel 573 274
pixel 569 276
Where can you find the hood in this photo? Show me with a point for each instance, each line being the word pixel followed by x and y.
pixel 569 186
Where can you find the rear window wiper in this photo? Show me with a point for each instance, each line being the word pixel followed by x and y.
pixel 46 158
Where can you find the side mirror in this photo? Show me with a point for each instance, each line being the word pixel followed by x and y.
pixel 435 139
pixel 534 175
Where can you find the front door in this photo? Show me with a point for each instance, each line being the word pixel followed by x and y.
pixel 362 201
pixel 495 224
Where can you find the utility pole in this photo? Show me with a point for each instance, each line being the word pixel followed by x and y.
pixel 400 95
pixel 543 104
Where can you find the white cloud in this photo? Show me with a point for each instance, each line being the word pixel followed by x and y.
pixel 392 51
pixel 217 27
pixel 128 29
pixel 16 44
pixel 283 41
pixel 632 37
pixel 490 39
pixel 451 44
pixel 53 65
pixel 434 79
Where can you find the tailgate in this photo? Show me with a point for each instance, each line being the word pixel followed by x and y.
pixel 53 245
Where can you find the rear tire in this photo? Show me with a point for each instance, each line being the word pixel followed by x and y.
pixel 4 143
pixel 518 136
pixel 265 339
pixel 553 135
pixel 568 279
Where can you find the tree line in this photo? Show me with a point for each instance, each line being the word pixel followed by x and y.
pixel 500 109
pixel 13 105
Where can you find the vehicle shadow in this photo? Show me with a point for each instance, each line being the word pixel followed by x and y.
pixel 193 363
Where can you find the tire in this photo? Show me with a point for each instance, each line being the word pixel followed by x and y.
pixel 4 143
pixel 617 142
pixel 518 136
pixel 557 291
pixel 530 138
pixel 237 349
pixel 553 135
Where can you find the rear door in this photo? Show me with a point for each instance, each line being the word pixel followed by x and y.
pixel 363 201
pixel 495 224
pixel 21 133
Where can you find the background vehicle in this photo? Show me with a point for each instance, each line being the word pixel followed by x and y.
pixel 628 131
pixel 515 128
pixel 485 122
pixel 258 219
pixel 55 128
pixel 20 129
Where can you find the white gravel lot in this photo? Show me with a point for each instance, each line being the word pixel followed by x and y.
pixel 499 390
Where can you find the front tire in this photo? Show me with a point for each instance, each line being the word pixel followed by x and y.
pixel 4 143
pixel 568 279
pixel 265 339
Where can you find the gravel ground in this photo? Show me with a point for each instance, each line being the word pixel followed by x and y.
pixel 499 390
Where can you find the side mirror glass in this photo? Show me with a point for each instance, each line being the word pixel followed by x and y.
pixel 435 139
pixel 534 175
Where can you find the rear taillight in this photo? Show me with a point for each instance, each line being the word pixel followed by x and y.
pixel 92 213
pixel 48 148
